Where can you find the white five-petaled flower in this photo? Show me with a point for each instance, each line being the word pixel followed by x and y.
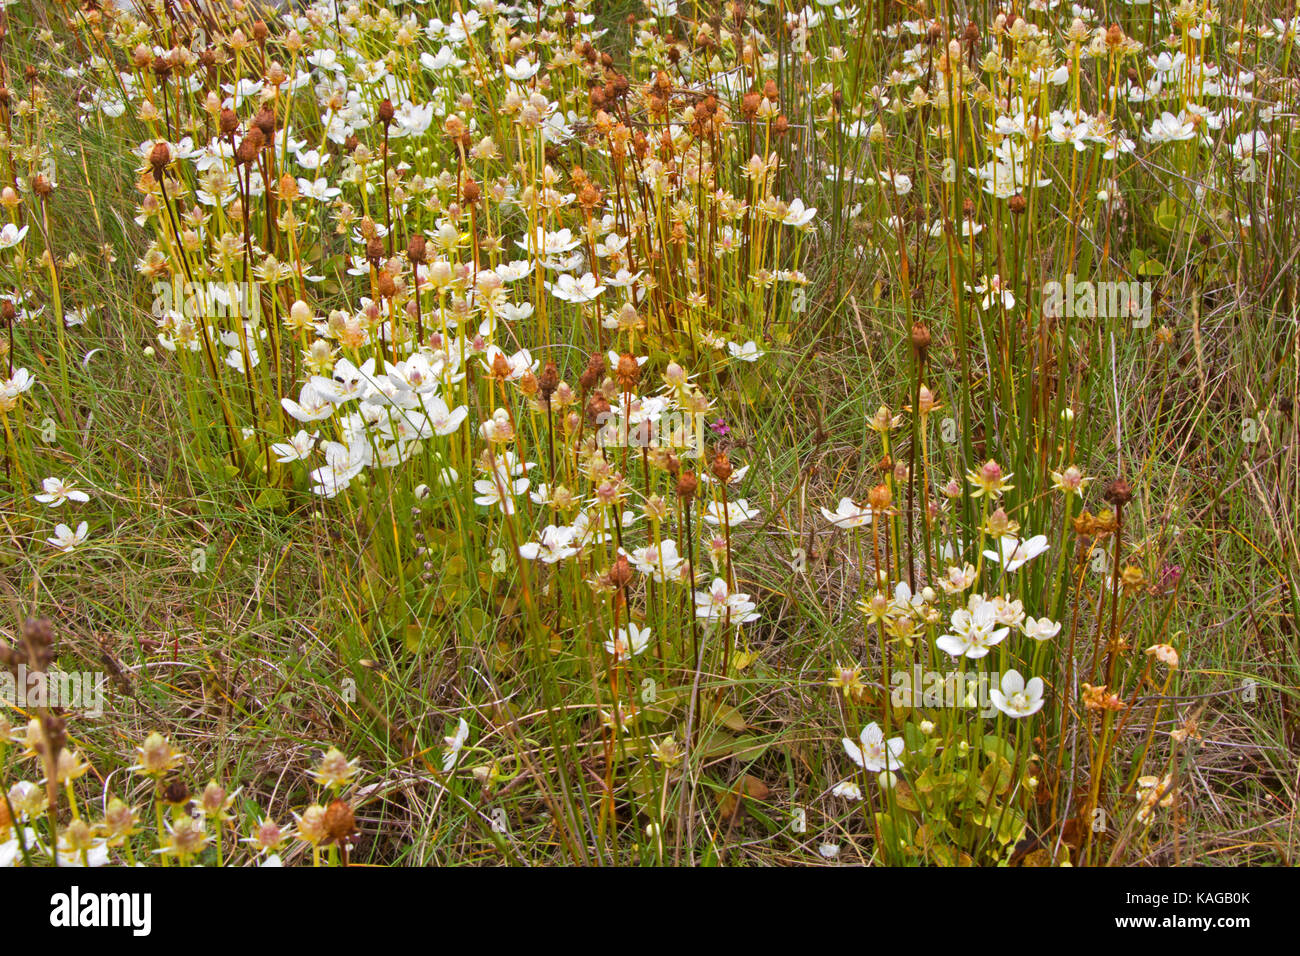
pixel 871 751
pixel 736 512
pixel 57 492
pixel 555 543
pixel 65 539
pixel 1018 698
pixel 1014 553
pixel 848 515
pixel 627 642
pixel 975 631
pixel 748 352
pixel 1042 629
pixel 451 753
pixel 720 603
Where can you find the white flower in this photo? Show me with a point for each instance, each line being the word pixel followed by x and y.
pixel 451 753
pixel 1014 553
pixel 719 603
pixel 872 752
pixel 554 544
pixel 57 492
pixel 65 539
pixel 11 235
pixel 847 789
pixel 1017 698
pixel 1042 629
pixel 975 631
pixel 736 512
pixel 627 642
pixel 568 289
pixel 297 448
pixel 749 352
pixel 1169 128
pixel 797 215
pixel 848 515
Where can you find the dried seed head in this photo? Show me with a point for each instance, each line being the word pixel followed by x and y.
pixel 721 467
pixel 417 249
pixel 549 381
pixel 620 574
pixel 386 112
pixel 1017 204
pixel 228 122
pixel 339 823
pixel 591 375
pixel 686 485
pixel 880 498
pixel 628 372
pixel 920 337
pixel 1118 493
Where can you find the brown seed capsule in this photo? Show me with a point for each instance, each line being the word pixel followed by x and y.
pixel 549 381
pixel 628 372
pixel 591 375
pixel 879 498
pixel 500 368
pixel 1114 36
pixel 721 467
pixel 374 249
pixel 920 337
pixel 159 157
pixel 686 485
pixel 1017 204
pixel 528 384
pixel 417 249
pixel 41 185
pixel 227 122
pixel 176 793
pixel 340 822
pixel 1118 492
pixel 620 574
pixel 387 287
pixel 265 121
pixel 470 192
pixel 597 410
pixel 386 112
pixel 781 125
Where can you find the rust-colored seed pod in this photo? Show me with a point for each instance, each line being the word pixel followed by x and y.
pixel 351 143
pixel 628 372
pixel 417 249
pixel 500 368
pixel 749 104
pixel 159 157
pixel 770 91
pixel 176 793
pixel 374 248
pixel 687 483
pixel 592 374
pixel 722 468
pixel 1118 493
pixel 260 31
pixel 920 337
pixel 972 34
pixel 1017 204
pixel 387 287
pixel 265 121
pixel 340 822
pixel 597 409
pixel 781 125
pixel 620 574
pixel 41 185
pixel 386 112
pixel 228 122
pixel 470 192
pixel 879 498
pixel 549 381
